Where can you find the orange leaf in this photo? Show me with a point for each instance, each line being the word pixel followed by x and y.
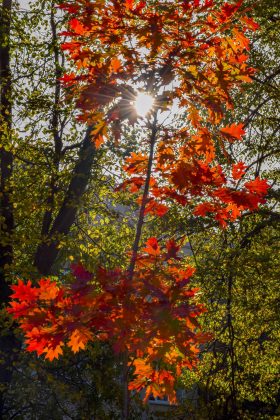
pixel 53 353
pixel 70 8
pixel 68 79
pixel 137 163
pixel 233 131
pixel 98 141
pixel 158 209
pixel 115 64
pixel 172 249
pixel 79 339
pixel 242 39
pixel 48 289
pixel 129 4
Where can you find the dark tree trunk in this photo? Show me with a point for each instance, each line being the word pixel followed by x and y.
pixel 7 338
pixel 48 250
pixel 6 207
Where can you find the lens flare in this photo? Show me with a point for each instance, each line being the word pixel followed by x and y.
pixel 143 104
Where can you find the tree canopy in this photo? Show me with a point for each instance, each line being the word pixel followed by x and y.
pixel 88 179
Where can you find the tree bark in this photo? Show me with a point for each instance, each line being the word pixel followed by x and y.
pixel 7 339
pixel 6 208
pixel 48 250
pixel 54 123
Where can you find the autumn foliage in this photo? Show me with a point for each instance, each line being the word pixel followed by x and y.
pixel 192 53
pixel 201 48
pixel 153 317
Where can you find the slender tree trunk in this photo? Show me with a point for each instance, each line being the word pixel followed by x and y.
pixel 145 197
pixel 55 125
pixel 7 338
pixel 135 249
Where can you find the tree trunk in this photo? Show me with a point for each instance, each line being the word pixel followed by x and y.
pixel 6 208
pixel 7 338
pixel 48 250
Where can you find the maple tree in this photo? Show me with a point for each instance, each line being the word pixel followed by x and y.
pixel 190 52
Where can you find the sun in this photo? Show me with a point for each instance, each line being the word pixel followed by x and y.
pixel 143 103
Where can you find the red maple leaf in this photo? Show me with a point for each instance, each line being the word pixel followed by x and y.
pixel 76 26
pixel 238 170
pixel 69 7
pixel 152 247
pixel 24 292
pixel 204 208
pixel 153 207
pixel 257 186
